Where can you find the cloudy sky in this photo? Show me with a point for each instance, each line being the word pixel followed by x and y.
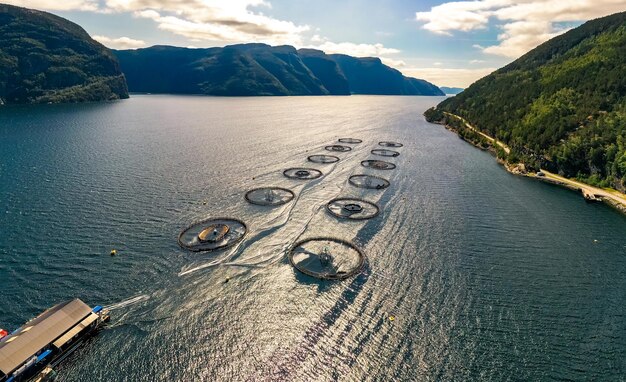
pixel 451 43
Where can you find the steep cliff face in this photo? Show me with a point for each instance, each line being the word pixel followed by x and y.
pixel 326 70
pixel 368 75
pixel 45 58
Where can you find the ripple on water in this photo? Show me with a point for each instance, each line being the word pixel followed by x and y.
pixel 486 276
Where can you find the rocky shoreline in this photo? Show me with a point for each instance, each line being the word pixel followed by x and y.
pixel 520 170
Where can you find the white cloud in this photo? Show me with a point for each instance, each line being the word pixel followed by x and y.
pixel 448 77
pixel 521 36
pixel 214 20
pixel 234 22
pixel 357 50
pixel 120 42
pixel 458 16
pixel 525 23
pixel 317 39
pixel 56 5
pixel 352 49
pixel 227 32
pixel 398 64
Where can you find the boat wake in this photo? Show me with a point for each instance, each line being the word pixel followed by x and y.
pixel 128 302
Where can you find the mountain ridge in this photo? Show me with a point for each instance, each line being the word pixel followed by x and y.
pixel 259 69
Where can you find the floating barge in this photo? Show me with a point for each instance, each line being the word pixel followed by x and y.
pixel 30 352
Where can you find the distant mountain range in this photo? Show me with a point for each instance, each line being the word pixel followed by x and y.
pixel 45 58
pixel 259 69
pixel 562 106
pixel 449 90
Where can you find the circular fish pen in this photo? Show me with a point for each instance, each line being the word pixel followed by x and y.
pixel 327 258
pixel 378 164
pixel 352 209
pixel 212 234
pixel 338 148
pixel 385 153
pixel 302 173
pixel 390 144
pixel 368 181
pixel 350 140
pixel 269 196
pixel 323 159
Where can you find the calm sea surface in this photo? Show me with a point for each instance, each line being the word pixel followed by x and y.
pixel 489 276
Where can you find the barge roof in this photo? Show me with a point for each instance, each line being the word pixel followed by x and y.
pixel 39 333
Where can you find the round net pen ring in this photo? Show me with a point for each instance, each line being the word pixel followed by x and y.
pixel 385 153
pixel 350 140
pixel 370 182
pixel 378 164
pixel 212 234
pixel 338 148
pixel 327 258
pixel 302 173
pixel 390 144
pixel 352 208
pixel 322 158
pixel 269 196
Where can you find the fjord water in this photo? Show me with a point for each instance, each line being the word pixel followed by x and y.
pixel 487 276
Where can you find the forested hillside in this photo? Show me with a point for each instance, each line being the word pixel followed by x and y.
pixel 259 69
pixel 561 106
pixel 45 58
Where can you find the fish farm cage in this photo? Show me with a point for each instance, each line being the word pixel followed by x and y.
pixel 378 164
pixel 269 196
pixel 302 173
pixel 212 234
pixel 323 159
pixel 338 148
pixel 368 181
pixel 350 140
pixel 385 153
pixel 352 208
pixel 327 258
pixel 389 144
